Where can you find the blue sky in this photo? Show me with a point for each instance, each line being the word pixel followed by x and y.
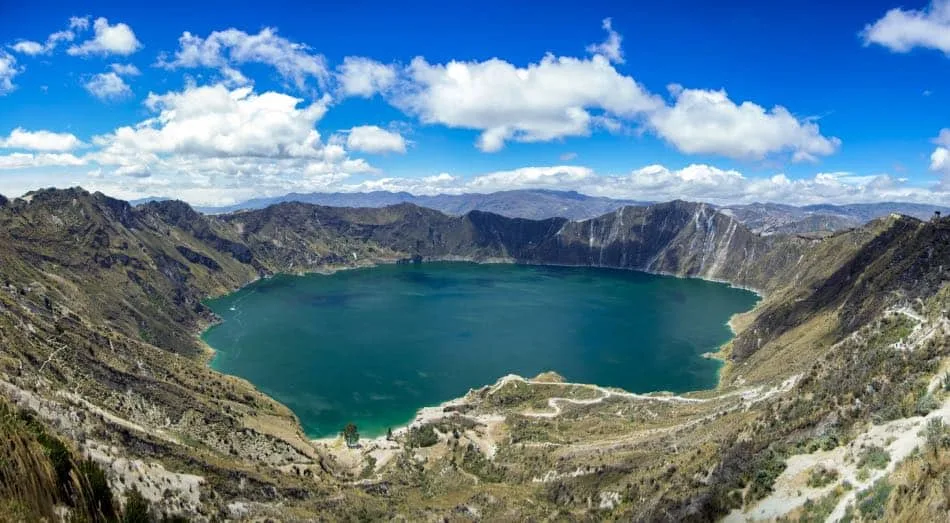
pixel 219 102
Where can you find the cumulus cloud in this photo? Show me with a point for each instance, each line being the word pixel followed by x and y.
pixel 940 159
pixel 32 48
pixel 125 69
pixel 28 47
pixel 610 48
pixel 211 138
pixel 560 97
pixel 708 122
pixel 108 39
pixel 901 30
pixel 79 22
pixel 41 140
pixel 108 86
pixel 551 99
pixel 225 50
pixel 697 182
pixel 375 140
pixel 8 69
pixel 28 160
pixel 358 76
pixel 217 121
pixel 537 177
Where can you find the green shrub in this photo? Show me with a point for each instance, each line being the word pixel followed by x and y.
pixel 873 500
pixel 423 436
pixel 770 467
pixel 934 434
pixel 818 511
pixel 821 476
pixel 875 458
pixel 926 404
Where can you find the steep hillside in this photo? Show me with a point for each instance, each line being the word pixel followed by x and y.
pixel 100 305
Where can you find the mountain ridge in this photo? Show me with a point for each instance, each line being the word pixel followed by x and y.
pixel 547 203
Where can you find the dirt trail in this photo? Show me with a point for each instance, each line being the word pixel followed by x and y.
pixel 900 438
pixel 749 395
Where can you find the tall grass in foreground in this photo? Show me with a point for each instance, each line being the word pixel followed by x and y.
pixel 41 479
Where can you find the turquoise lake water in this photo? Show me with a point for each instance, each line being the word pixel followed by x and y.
pixel 372 346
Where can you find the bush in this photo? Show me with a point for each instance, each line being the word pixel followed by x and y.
pixel 926 404
pixel 934 433
pixel 423 436
pixel 821 476
pixel 769 468
pixel 873 501
pixel 875 458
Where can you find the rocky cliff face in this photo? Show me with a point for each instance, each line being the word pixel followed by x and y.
pixel 682 238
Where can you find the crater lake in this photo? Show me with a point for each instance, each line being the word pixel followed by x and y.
pixel 372 346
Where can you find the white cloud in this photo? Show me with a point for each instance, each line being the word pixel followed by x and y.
pixel 561 97
pixel 610 48
pixel 901 30
pixel 940 158
pixel 125 69
pixel 108 86
pixel 568 156
pixel 701 182
pixel 79 22
pixel 28 47
pixel 133 170
pixel 41 140
pixel 8 69
pixel 28 160
pixel 216 144
pixel 541 102
pixel 215 121
pixel 224 50
pixel 696 182
pixel 543 177
pixel 375 140
pixel 708 122
pixel 364 77
pixel 108 39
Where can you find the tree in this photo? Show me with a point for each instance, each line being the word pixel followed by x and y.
pixel 934 434
pixel 389 434
pixel 351 435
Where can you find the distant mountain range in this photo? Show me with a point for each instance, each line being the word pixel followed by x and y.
pixel 534 204
pixel 537 204
pixel 773 218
